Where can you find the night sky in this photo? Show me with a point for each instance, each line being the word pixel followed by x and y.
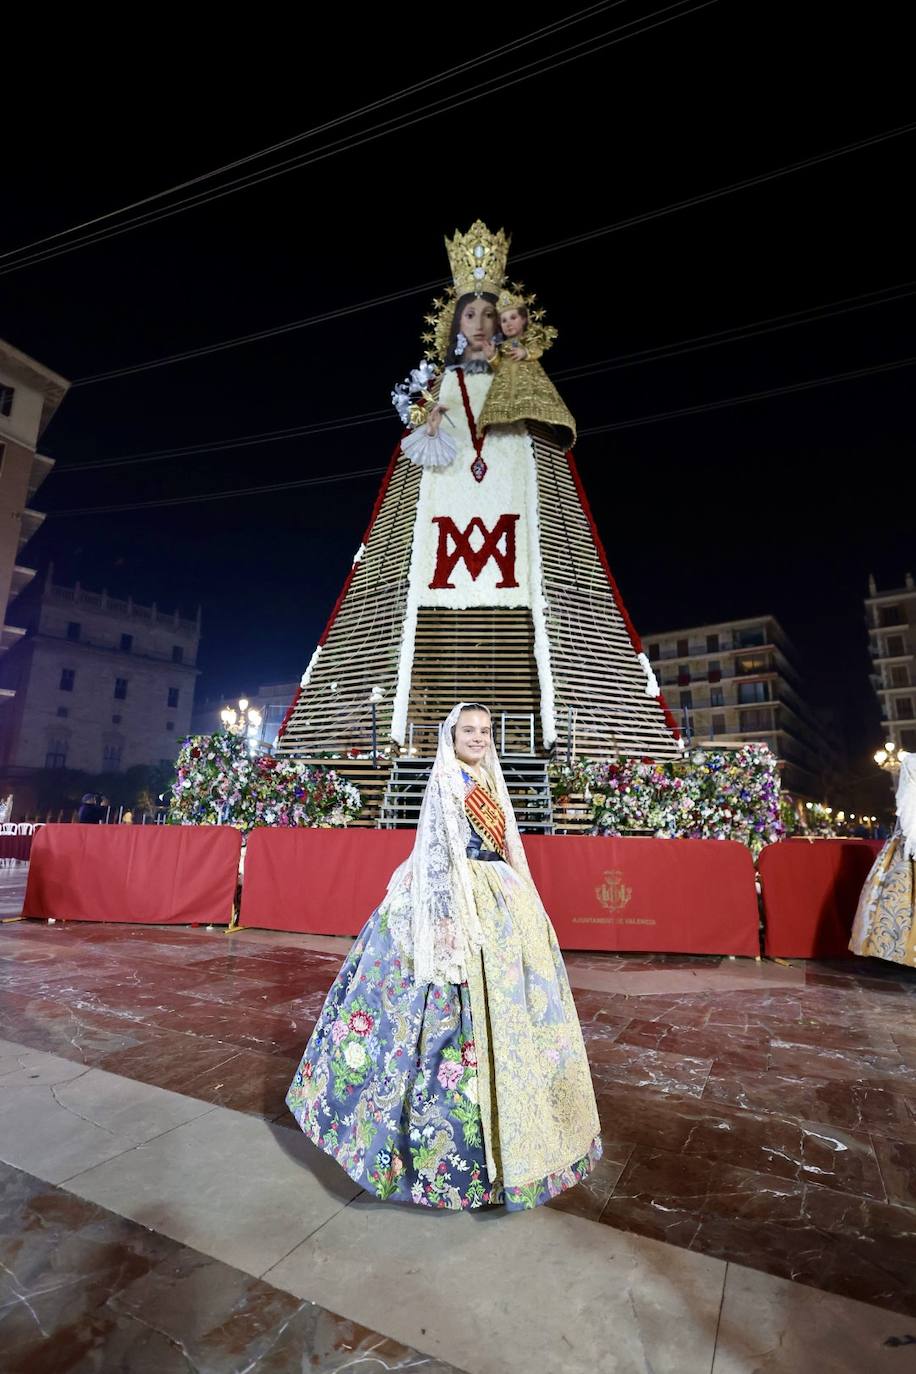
pixel 781 505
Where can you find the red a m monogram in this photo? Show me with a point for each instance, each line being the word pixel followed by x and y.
pixel 475 560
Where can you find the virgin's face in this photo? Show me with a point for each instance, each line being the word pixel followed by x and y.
pixel 478 322
pixel 472 736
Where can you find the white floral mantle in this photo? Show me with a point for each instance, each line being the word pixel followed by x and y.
pixel 455 537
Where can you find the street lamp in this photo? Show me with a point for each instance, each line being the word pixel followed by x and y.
pixel 246 722
pixel 886 758
pixel 376 697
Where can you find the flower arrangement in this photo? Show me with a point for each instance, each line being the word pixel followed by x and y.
pixel 706 795
pixel 219 783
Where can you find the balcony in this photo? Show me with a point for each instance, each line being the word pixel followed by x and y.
pixel 20 579
pixel 41 468
pixel 10 635
pixel 32 521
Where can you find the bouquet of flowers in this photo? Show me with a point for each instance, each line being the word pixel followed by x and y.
pixel 219 783
pixel 730 795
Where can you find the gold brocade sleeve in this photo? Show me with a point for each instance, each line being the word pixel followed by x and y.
pixel 523 391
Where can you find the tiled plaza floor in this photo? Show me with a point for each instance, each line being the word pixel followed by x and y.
pixel 753 1113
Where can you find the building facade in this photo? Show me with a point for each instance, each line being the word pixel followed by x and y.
pixel 737 682
pixel 29 395
pixel 891 620
pixel 101 684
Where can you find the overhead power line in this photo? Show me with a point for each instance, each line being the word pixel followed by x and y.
pixel 653 418
pixel 617 226
pixel 491 55
pixel 492 85
pixel 749 396
pixel 736 334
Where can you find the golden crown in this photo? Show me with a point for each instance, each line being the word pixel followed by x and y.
pixel 478 259
pixel 515 298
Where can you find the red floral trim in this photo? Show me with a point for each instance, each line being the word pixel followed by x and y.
pixel 289 713
pixel 386 481
pixel 615 590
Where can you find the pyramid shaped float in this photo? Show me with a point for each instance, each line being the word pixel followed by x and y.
pixel 483 580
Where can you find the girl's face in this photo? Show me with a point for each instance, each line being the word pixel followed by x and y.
pixel 472 736
pixel 478 322
pixel 512 323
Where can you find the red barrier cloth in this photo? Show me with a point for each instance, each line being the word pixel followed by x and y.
pixel 684 896
pixel 319 881
pixel 161 874
pixel 666 896
pixel 810 893
pixel 15 846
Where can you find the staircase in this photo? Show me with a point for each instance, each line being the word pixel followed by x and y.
pixel 526 780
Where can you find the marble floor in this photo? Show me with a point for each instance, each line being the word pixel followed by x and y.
pixel 755 1208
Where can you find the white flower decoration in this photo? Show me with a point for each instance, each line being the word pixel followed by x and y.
pixel 355 1055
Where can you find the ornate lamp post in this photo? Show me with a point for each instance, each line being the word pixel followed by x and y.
pixel 246 721
pixel 887 759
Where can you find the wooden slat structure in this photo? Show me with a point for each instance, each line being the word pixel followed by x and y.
pixel 480 654
pixel 362 641
pixel 596 673
pixel 484 653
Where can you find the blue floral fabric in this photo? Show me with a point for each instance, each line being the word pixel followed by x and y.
pixel 388 1086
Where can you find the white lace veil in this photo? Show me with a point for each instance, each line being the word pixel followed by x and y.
pixel 430 904
pixel 906 803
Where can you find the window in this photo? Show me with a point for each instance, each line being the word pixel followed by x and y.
pixel 173 696
pixel 116 720
pixel 756 720
pixel 63 711
pixel 891 615
pixel 712 644
pixel 900 675
pixel 718 725
pixel 120 688
pixel 683 675
pixel 908 740
pixel 753 691
pixel 111 756
pixel 751 663
pixel 683 648
pixel 67 679
pixel 73 629
pixel 716 696
pixel 6 399
pixel 904 708
pixel 749 639
pixel 715 671
pixel 895 646
pixel 687 700
pixel 127 643
pixel 56 757
pixel 654 654
pixel 170 725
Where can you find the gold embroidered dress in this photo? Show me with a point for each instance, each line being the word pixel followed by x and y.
pixel 537 1103
pixel 521 390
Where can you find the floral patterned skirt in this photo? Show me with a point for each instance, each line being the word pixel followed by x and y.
pixel 457 1096
pixel 885 923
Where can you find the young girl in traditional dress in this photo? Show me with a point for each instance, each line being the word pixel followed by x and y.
pixel 447 1067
